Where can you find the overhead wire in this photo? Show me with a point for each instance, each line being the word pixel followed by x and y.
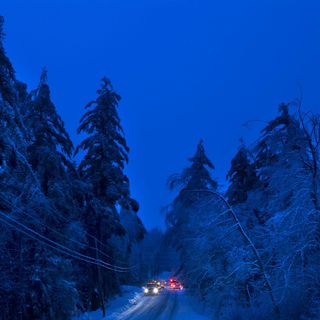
pixel 55 245
pixel 72 240
pixel 56 212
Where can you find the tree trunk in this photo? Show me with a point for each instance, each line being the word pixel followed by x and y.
pixel 101 295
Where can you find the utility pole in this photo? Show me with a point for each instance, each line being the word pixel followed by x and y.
pixel 101 295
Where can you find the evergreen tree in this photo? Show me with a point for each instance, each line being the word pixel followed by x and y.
pixel 44 201
pixel 197 176
pixel 7 73
pixel 36 281
pixel 10 130
pixel 279 137
pixel 201 230
pixel 192 182
pixel 278 153
pixel 12 171
pixel 282 201
pixel 50 148
pixel 105 148
pixel 105 154
pixel 48 152
pixel 242 177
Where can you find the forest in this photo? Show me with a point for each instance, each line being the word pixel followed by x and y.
pixel 71 236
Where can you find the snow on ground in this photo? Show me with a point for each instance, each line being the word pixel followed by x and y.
pixel 133 305
pixel 188 309
pixel 128 298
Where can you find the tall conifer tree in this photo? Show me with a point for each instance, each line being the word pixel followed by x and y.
pixel 105 147
pixel 242 176
pixel 105 154
pixel 50 148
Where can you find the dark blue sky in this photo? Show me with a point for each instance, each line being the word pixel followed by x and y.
pixel 186 69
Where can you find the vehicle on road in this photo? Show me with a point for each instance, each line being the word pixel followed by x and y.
pixel 151 289
pixel 163 284
pixel 175 284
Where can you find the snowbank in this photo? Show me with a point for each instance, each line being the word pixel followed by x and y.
pixel 119 304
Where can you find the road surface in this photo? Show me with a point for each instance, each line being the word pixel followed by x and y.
pixel 168 305
pixel 132 304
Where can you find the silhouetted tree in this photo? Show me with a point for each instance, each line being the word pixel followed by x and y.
pixel 105 154
pixel 242 177
pixel 7 73
pixel 50 148
pixel 105 148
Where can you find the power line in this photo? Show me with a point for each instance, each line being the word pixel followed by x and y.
pixel 63 236
pixel 48 244
pixel 59 247
pixel 85 232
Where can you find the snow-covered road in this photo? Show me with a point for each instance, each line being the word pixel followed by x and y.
pixel 168 305
pixel 158 307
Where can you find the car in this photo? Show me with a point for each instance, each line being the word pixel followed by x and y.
pixel 163 284
pixel 151 289
pixel 175 284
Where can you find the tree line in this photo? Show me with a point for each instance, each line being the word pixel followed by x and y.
pixel 252 251
pixel 69 233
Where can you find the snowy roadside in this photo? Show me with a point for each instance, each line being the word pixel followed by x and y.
pixel 119 304
pixel 133 304
pixel 188 308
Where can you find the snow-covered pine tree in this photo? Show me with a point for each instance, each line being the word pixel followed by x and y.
pixel 50 148
pixel 195 177
pixel 242 176
pixel 105 154
pixel 53 210
pixel 106 150
pixel 192 181
pixel 284 230
pixel 30 271
pixel 9 126
pixel 11 171
pixel 280 136
pixel 7 73
pixel 213 256
pixel 280 146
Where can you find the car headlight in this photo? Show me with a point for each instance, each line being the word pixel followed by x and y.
pixel 155 290
pixel 146 290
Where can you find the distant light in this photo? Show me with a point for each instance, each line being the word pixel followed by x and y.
pixel 146 290
pixel 155 290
